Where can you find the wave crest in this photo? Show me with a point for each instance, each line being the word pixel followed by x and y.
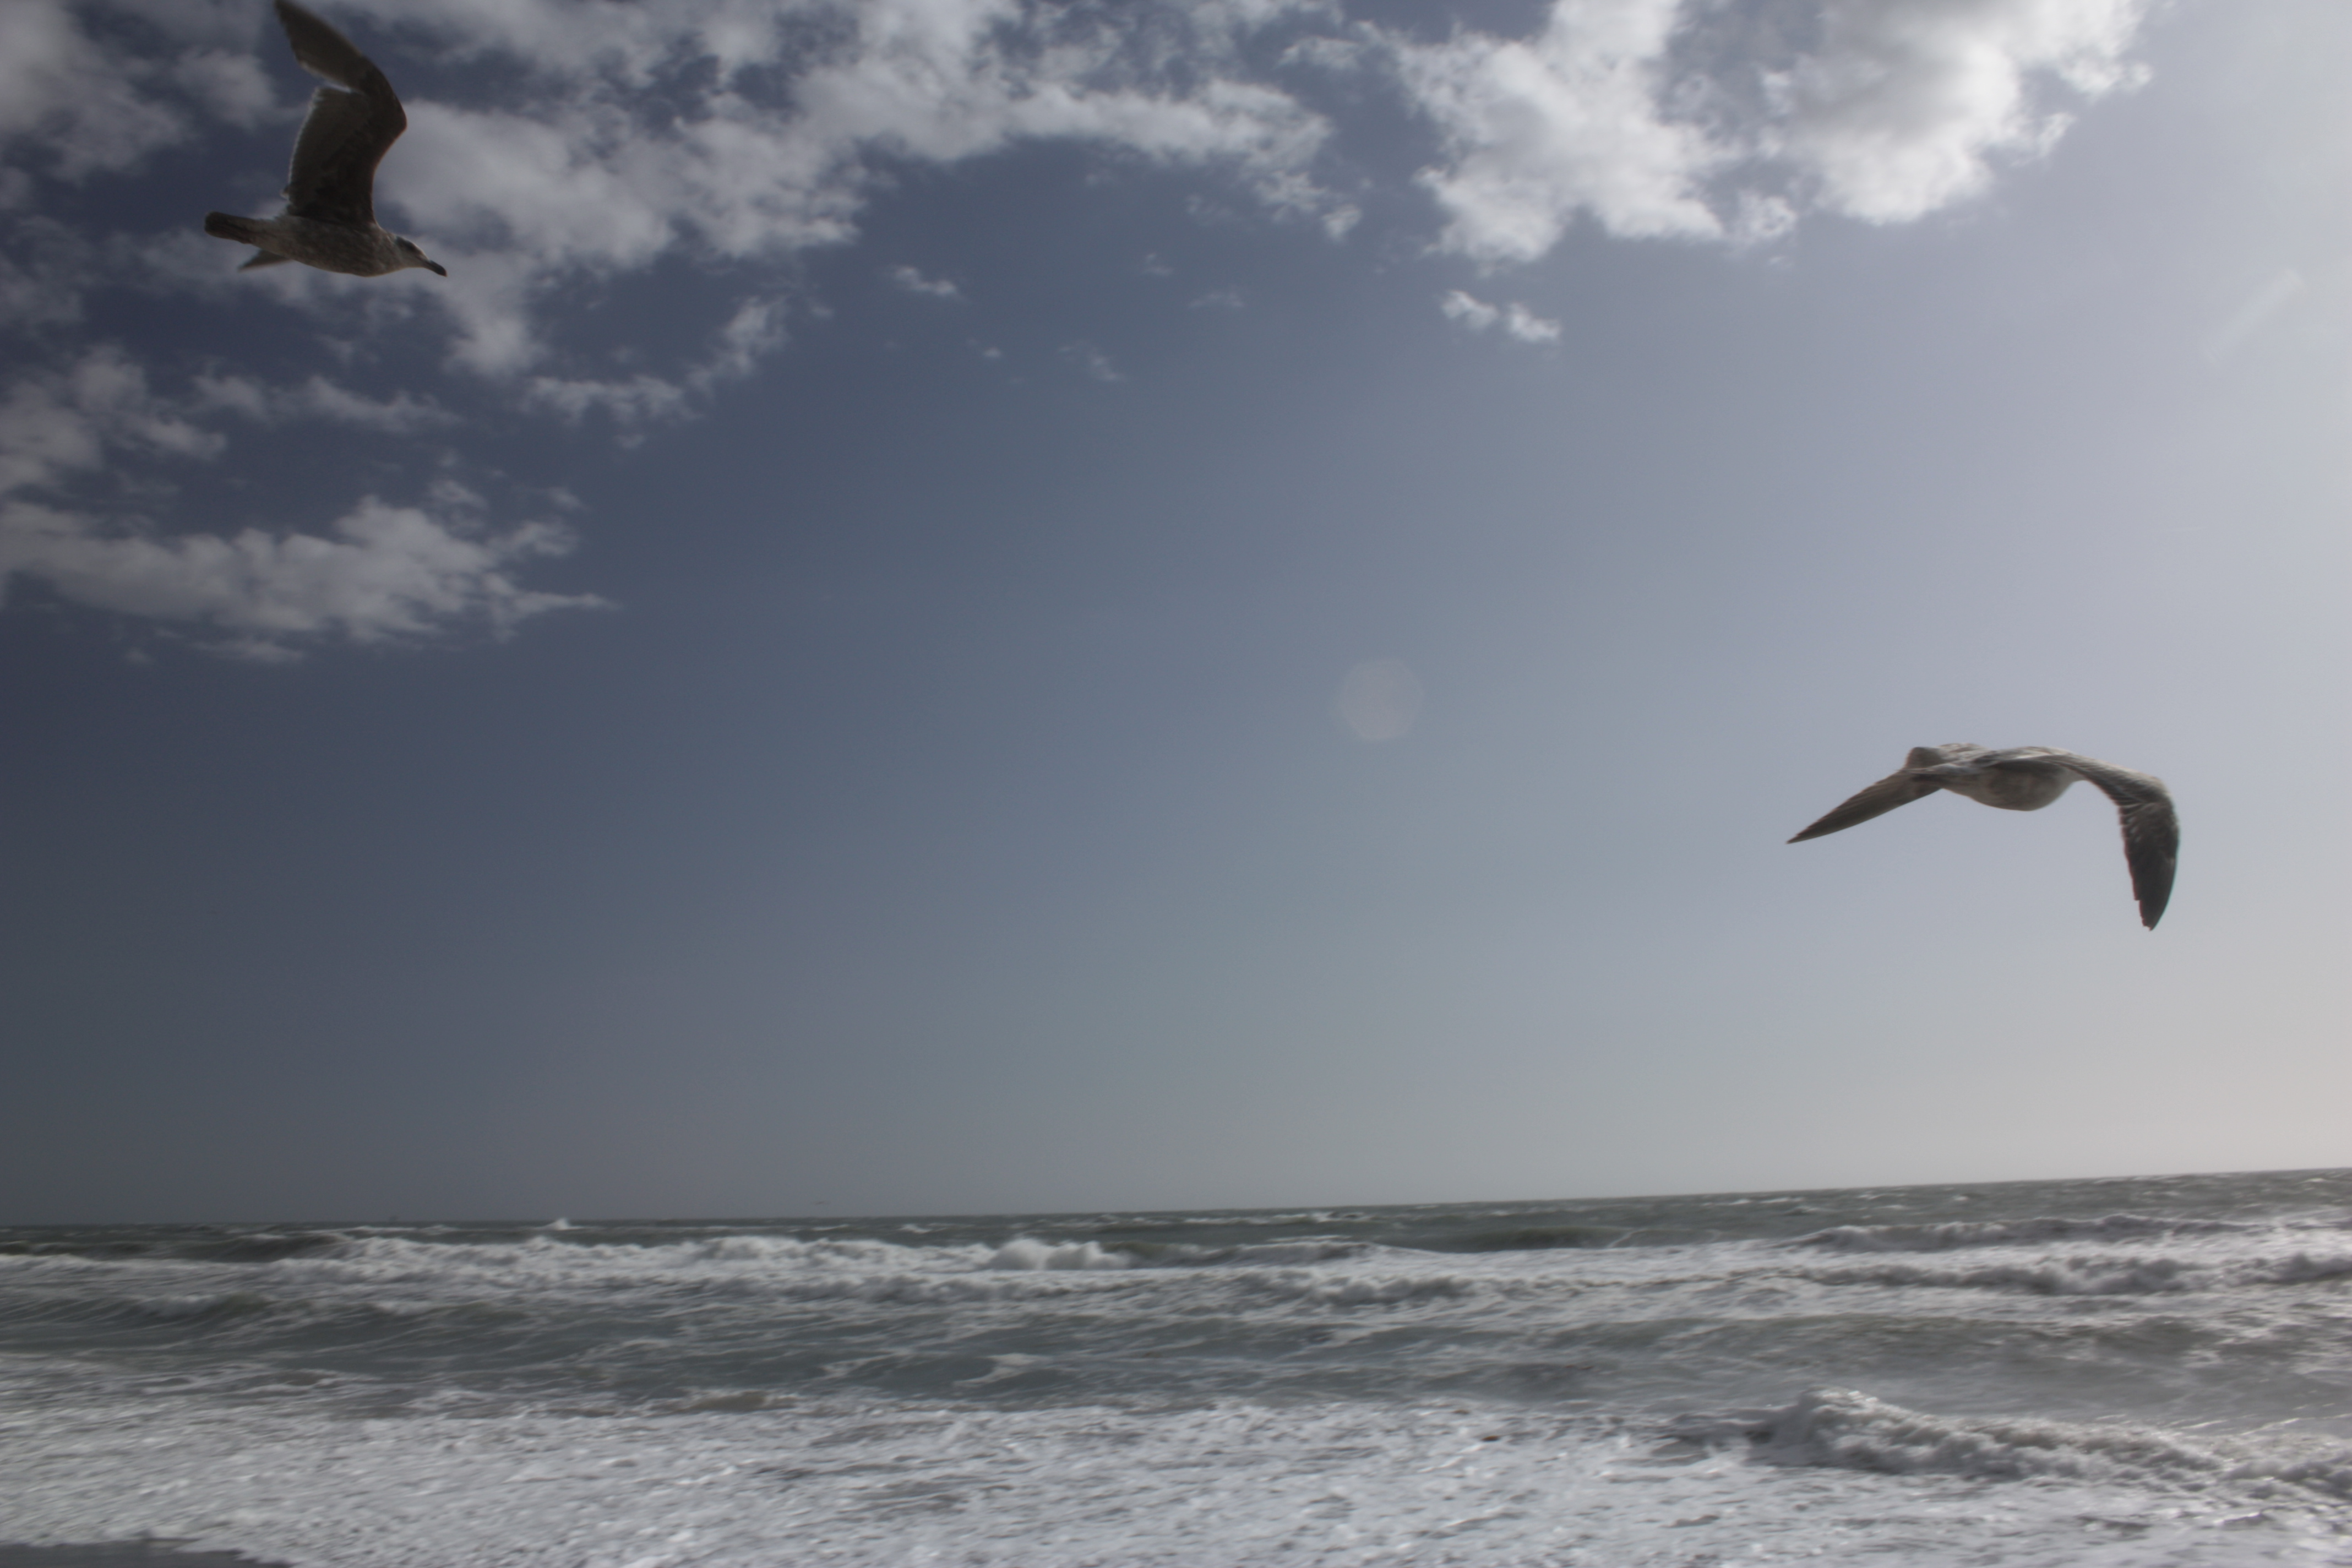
pixel 1846 1429
pixel 1022 1252
pixel 1950 1236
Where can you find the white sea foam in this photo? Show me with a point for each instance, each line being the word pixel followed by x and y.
pixel 2051 1276
pixel 1021 1252
pixel 2138 1385
pixel 871 1483
pixel 1951 1235
pixel 1851 1430
pixel 2097 1274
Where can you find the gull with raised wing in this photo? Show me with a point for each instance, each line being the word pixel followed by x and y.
pixel 2027 778
pixel 329 216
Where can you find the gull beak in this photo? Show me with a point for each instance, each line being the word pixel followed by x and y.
pixel 436 269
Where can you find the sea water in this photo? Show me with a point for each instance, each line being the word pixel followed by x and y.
pixel 2130 1371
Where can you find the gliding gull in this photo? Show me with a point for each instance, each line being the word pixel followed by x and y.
pixel 2027 778
pixel 329 216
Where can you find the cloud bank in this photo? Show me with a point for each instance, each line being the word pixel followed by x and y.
pixel 594 141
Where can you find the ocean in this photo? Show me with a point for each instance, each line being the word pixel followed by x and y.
pixel 2128 1371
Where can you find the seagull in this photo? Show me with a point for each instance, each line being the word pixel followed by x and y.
pixel 2027 778
pixel 329 216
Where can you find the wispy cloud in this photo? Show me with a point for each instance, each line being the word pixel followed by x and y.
pixel 1516 320
pixel 55 426
pixel 755 329
pixel 318 398
pixel 914 282
pixel 381 571
pixel 598 171
pixel 1092 361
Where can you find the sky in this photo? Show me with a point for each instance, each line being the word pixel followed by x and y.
pixel 983 606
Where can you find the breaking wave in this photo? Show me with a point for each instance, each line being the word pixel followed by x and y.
pixel 1843 1429
pixel 1951 1235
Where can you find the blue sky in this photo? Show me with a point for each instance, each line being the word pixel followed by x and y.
pixel 971 607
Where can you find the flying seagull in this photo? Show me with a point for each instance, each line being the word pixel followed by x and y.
pixel 2027 778
pixel 329 216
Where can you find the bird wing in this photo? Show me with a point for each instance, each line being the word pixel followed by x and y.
pixel 2151 829
pixel 1893 790
pixel 349 128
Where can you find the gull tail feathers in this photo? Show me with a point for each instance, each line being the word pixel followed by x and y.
pixel 245 231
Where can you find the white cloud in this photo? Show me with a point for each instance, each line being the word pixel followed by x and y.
pixel 751 333
pixel 1566 122
pixel 83 107
pixel 40 285
pixel 1516 320
pixel 1898 110
pixel 737 132
pixel 1471 312
pixel 232 87
pixel 914 282
pixel 385 572
pixel 1092 361
pixel 593 173
pixel 381 571
pixel 1524 324
pixel 721 139
pixel 732 131
pixel 54 426
pixel 318 398
pixel 754 331
pixel 1676 119
pixel 60 90
pixel 637 400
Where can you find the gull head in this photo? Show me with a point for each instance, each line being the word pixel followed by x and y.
pixel 412 257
